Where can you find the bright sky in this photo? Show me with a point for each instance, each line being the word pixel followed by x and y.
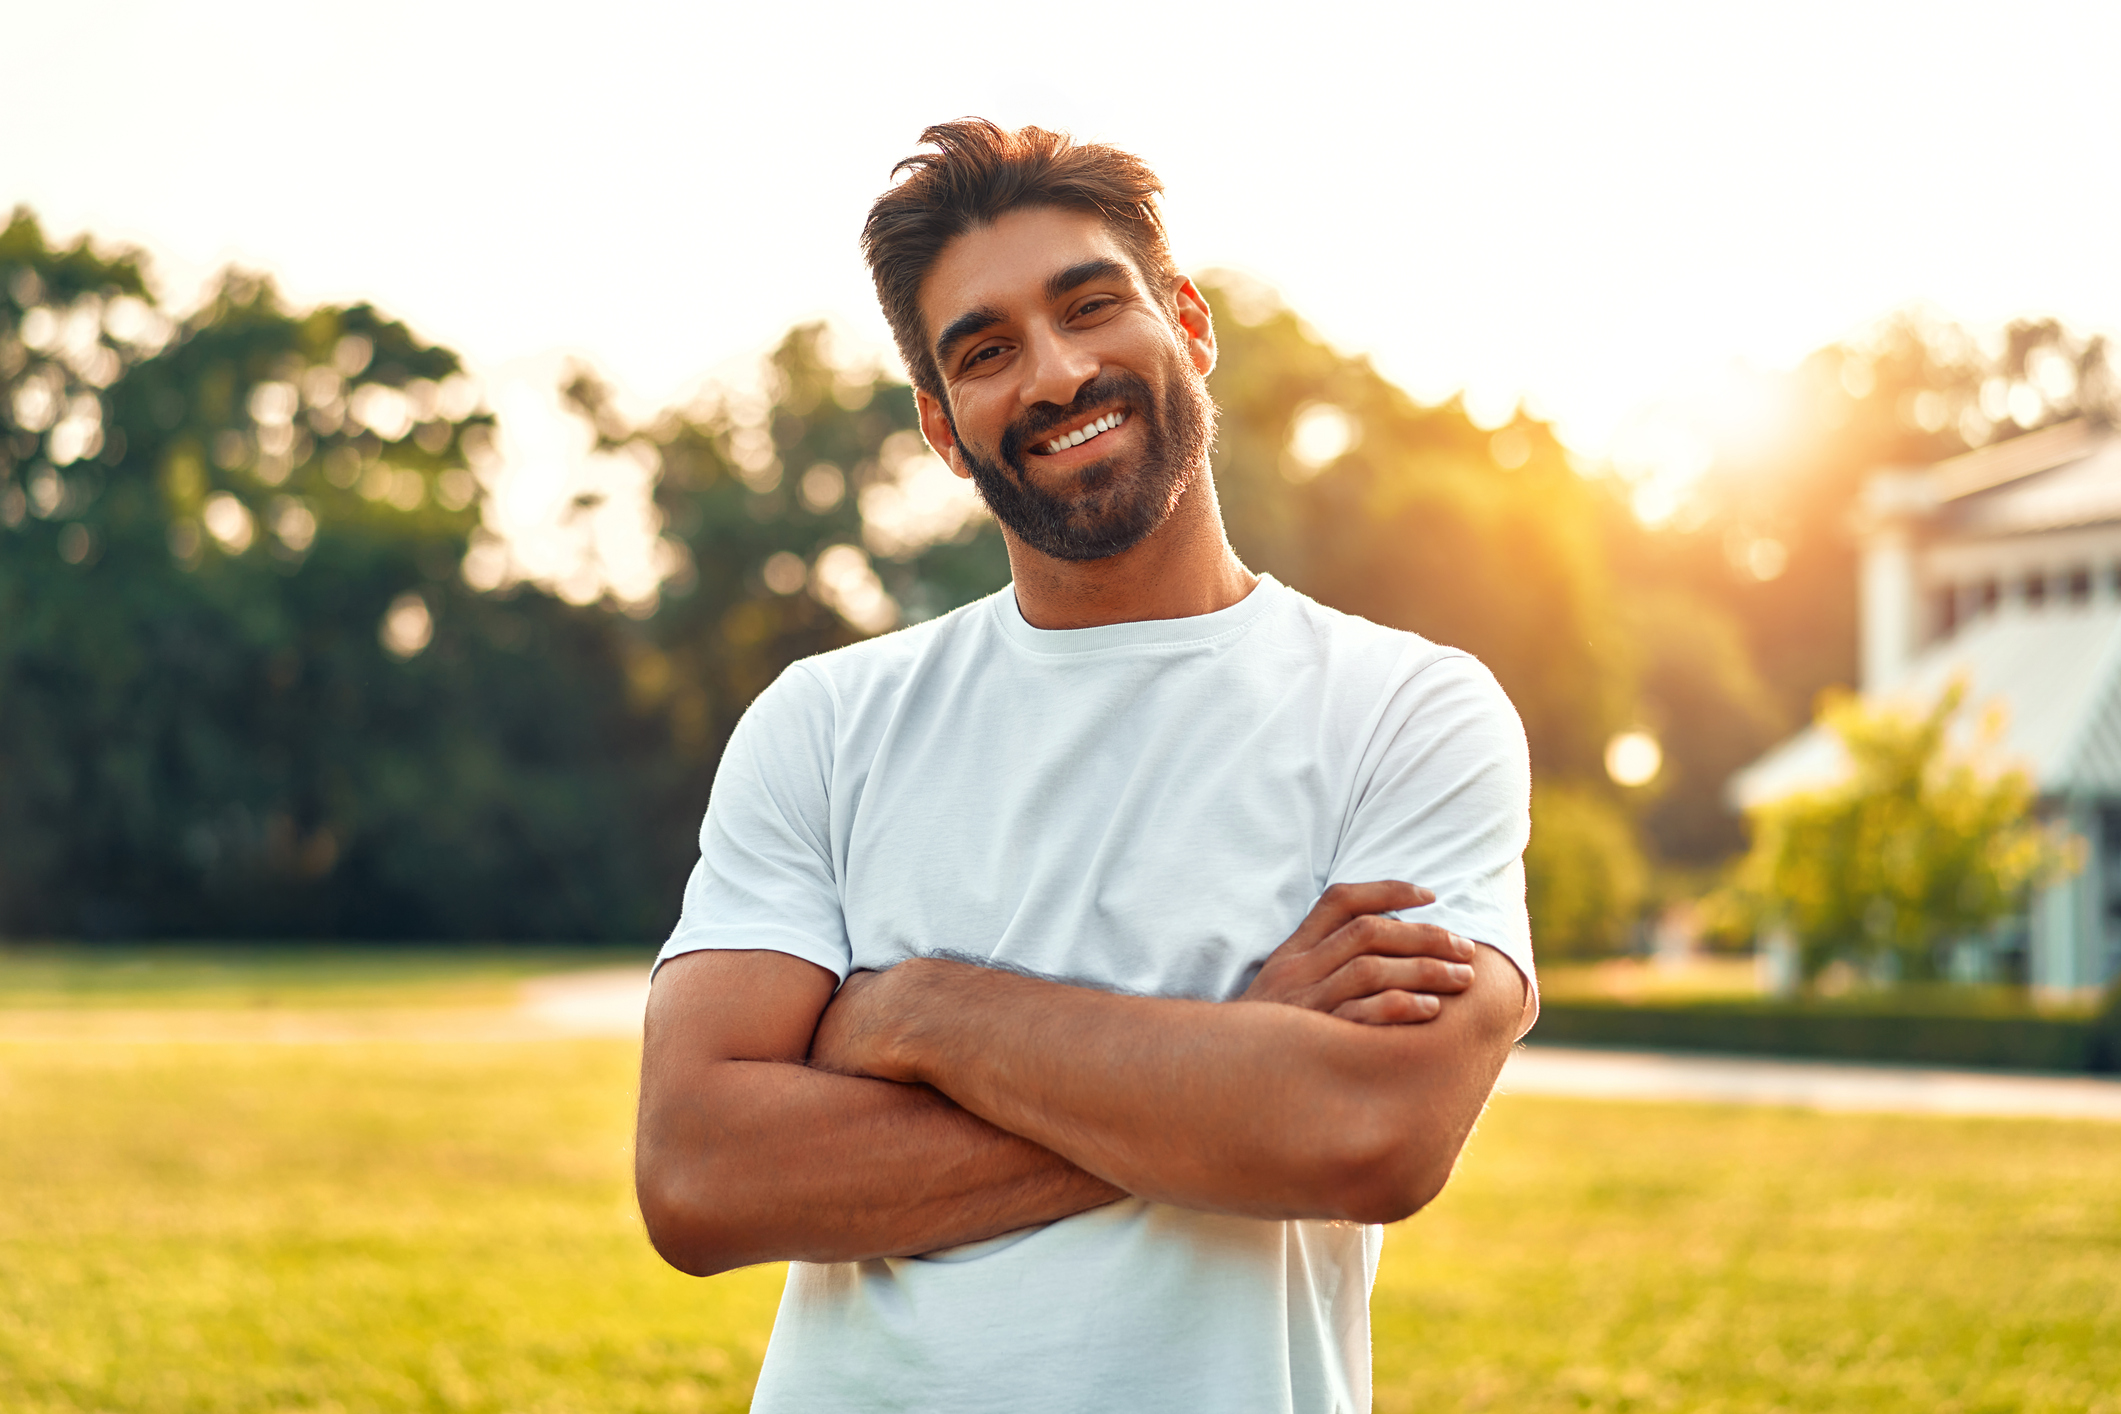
pixel 1595 208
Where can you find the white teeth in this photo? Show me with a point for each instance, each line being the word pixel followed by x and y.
pixel 1083 434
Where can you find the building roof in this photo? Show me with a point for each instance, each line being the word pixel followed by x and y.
pixel 2000 463
pixel 2054 671
pixel 2058 477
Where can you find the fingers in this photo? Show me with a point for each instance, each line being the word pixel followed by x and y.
pixel 1372 974
pixel 1390 1009
pixel 1341 903
pixel 1389 937
pixel 1348 922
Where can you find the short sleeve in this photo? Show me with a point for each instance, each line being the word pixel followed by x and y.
pixel 1444 801
pixel 765 877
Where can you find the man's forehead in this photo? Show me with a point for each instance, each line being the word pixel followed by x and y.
pixel 1010 260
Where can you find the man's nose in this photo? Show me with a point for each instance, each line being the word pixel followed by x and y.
pixel 1057 367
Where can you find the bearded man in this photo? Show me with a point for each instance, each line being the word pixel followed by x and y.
pixel 1070 985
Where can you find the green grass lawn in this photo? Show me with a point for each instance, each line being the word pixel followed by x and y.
pixel 443 1226
pixel 1680 1257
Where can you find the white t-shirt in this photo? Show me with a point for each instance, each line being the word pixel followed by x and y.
pixel 1151 807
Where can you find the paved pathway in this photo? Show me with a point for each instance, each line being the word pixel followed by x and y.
pixel 605 1002
pixel 1818 1085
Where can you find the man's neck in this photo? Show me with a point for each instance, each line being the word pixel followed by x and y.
pixel 1185 567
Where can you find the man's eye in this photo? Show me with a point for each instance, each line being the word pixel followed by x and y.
pixel 981 355
pixel 1093 306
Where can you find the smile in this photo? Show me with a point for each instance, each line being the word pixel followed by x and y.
pixel 1083 434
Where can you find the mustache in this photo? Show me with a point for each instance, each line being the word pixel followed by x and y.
pixel 1037 421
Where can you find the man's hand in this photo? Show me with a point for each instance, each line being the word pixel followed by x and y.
pixel 851 1037
pixel 1346 959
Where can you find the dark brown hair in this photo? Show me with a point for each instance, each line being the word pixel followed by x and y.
pixel 979 171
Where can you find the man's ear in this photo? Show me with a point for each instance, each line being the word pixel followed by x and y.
pixel 1196 324
pixel 935 426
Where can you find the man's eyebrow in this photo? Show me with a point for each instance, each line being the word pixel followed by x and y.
pixel 1082 273
pixel 978 321
pixel 963 327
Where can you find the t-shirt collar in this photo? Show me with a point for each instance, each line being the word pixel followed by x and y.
pixel 1142 633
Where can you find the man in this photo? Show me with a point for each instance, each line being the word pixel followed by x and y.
pixel 1070 985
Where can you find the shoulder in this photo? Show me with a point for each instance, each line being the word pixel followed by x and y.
pixel 859 667
pixel 1351 638
pixel 1454 684
pixel 825 684
pixel 1412 677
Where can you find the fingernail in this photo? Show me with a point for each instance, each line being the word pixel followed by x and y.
pixel 1459 972
pixel 1462 947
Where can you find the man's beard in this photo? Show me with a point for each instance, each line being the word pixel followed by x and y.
pixel 1113 507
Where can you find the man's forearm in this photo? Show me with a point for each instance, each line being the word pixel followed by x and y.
pixel 748 1155
pixel 1261 1109
pixel 781 1161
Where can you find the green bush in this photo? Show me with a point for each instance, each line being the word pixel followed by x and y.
pixel 2106 1033
pixel 1917 844
pixel 1844 1032
pixel 1585 877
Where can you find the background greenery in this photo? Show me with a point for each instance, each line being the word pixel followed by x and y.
pixel 1910 1025
pixel 1914 849
pixel 205 520
pixel 437 1225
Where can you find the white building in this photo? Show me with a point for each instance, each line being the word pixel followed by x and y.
pixel 2002 567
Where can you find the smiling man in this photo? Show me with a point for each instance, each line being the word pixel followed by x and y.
pixel 1069 986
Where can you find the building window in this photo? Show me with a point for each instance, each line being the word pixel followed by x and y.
pixel 1947 611
pixel 2035 590
pixel 2079 581
pixel 1988 592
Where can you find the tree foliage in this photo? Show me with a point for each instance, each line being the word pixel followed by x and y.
pixel 204 527
pixel 1918 846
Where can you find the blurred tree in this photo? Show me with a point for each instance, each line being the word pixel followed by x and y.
pixel 1917 847
pixel 241 689
pixel 1585 877
pixel 1705 702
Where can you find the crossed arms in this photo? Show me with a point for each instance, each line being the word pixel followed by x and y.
pixel 942 1102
